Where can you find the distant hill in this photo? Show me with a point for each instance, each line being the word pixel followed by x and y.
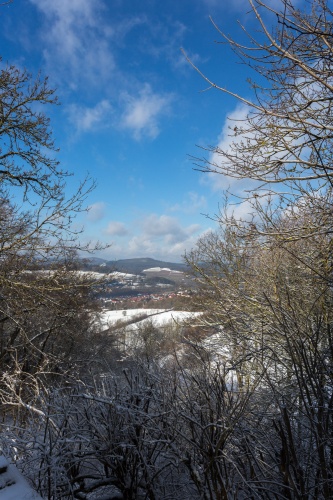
pixel 136 266
pixel 131 266
pixel 94 261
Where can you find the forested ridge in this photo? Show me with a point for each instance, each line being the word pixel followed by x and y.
pixel 237 404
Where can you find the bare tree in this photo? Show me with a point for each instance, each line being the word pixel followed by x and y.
pixel 271 307
pixel 265 282
pixel 284 144
pixel 45 307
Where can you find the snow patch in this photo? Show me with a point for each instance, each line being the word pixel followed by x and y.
pixel 159 269
pixel 13 486
pixel 158 316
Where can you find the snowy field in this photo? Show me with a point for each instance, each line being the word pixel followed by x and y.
pixel 158 316
pixel 87 274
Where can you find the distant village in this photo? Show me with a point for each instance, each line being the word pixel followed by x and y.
pixel 152 285
pixel 146 297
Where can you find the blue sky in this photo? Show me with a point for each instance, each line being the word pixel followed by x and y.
pixel 133 111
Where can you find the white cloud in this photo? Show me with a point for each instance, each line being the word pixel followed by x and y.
pixel 165 236
pixel 144 246
pixel 222 182
pixel 76 39
pixel 160 225
pixel 96 211
pixel 240 203
pixel 142 113
pixel 116 228
pixel 157 236
pixel 167 227
pixel 80 45
pixel 86 119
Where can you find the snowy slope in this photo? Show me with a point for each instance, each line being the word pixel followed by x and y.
pixel 158 316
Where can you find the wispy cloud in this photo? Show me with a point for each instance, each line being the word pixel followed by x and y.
pixel 96 211
pixel 165 41
pixel 116 228
pixel 76 39
pixel 86 119
pixel 142 112
pixel 82 48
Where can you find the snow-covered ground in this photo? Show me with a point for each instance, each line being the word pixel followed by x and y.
pixel 159 269
pixel 13 486
pixel 87 274
pixel 158 316
pixel 100 276
pixel 215 344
